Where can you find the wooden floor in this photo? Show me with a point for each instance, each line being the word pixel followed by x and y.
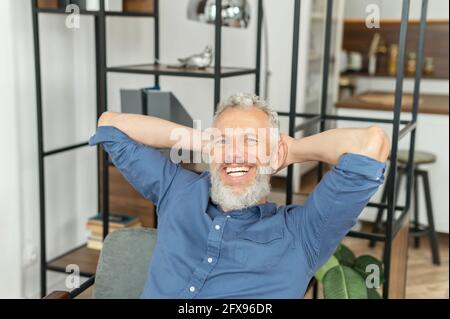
pixel 424 280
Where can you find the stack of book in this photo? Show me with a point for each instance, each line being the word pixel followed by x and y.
pixel 116 221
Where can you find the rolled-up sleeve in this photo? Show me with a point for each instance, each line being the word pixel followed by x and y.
pixel 144 167
pixel 333 207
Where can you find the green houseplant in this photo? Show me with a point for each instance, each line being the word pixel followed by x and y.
pixel 345 276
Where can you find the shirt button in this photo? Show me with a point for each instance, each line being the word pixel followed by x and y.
pixel 228 216
pixel 210 260
pixel 217 227
pixel 192 289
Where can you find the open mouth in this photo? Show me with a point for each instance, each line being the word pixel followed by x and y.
pixel 237 171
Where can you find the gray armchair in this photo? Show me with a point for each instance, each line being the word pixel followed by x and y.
pixel 122 267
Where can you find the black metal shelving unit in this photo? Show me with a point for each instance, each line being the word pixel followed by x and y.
pixel 218 72
pixel 393 223
pixel 215 73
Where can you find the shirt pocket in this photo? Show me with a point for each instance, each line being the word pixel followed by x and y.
pixel 258 250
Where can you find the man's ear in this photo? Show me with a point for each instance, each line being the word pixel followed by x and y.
pixel 280 156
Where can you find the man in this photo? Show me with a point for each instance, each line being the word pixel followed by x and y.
pixel 218 237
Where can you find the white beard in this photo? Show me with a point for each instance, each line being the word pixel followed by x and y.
pixel 224 196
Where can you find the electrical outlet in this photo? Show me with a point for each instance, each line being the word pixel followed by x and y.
pixel 30 254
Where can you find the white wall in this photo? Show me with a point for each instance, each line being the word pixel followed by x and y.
pixel 10 239
pixel 69 117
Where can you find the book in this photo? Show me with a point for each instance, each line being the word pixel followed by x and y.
pixel 98 229
pixel 48 4
pixel 115 220
pixel 144 6
pixel 94 243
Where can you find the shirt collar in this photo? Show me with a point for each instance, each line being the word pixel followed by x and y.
pixel 262 210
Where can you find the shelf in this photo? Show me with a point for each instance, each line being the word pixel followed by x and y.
pixel 384 101
pixel 159 69
pixel 63 11
pixel 386 75
pixel 82 256
pixel 130 14
pixel 107 13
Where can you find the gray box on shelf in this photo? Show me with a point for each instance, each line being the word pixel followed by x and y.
pixel 155 103
pixel 160 104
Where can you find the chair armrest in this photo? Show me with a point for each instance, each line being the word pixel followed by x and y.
pixel 58 295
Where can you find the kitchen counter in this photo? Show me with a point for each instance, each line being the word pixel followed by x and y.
pixel 384 101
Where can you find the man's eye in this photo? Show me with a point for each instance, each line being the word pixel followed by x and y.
pixel 220 141
pixel 251 140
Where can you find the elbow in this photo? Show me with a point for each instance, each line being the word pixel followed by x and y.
pixel 106 119
pixel 377 144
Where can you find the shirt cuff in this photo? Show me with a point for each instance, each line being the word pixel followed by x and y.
pixel 107 134
pixel 363 165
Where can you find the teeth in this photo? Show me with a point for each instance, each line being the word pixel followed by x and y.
pixel 236 174
pixel 237 169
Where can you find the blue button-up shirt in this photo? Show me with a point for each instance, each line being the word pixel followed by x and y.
pixel 265 251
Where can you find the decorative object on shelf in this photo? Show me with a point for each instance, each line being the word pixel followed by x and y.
pixel 196 61
pixel 411 63
pixel 110 5
pixel 142 6
pixel 235 13
pixel 113 5
pixel 345 276
pixel 354 61
pixel 343 61
pixel 48 4
pixel 428 66
pixel 346 84
pixel 93 5
pixel 393 56
pixel 154 102
pixel 116 221
pixel 372 68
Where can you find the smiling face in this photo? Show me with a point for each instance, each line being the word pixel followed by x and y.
pixel 241 150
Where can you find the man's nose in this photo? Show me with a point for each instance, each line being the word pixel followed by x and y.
pixel 235 153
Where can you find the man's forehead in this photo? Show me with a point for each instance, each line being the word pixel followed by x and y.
pixel 242 131
pixel 242 117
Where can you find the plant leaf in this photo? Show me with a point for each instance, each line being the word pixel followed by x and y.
pixel 332 262
pixel 342 282
pixel 361 263
pixel 344 255
pixel 373 294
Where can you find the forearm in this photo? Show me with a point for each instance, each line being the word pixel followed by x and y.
pixel 330 145
pixel 153 131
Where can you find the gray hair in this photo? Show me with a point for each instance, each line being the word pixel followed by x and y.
pixel 247 100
